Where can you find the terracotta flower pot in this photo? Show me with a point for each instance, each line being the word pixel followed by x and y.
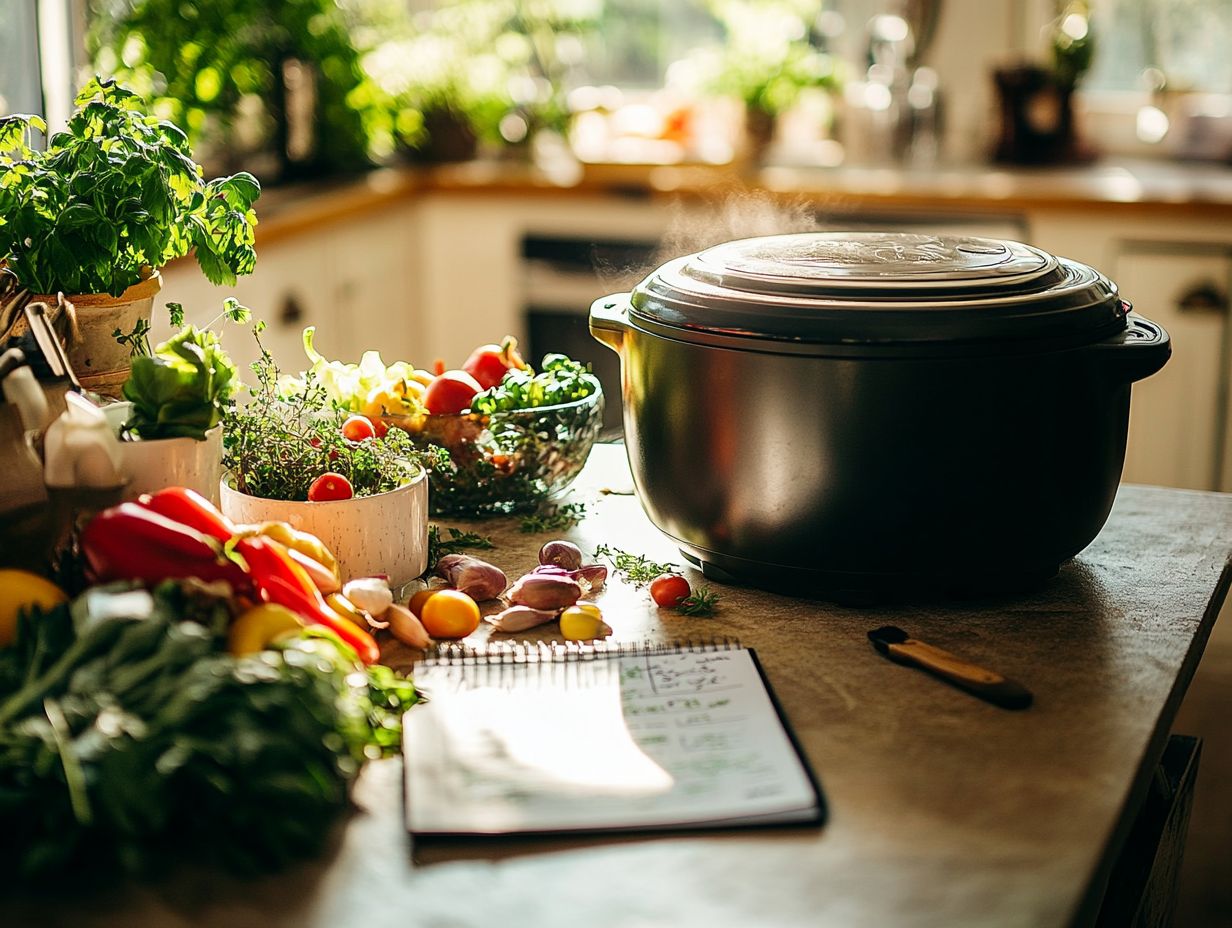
pixel 100 362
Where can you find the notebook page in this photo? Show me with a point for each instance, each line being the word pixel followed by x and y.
pixel 623 742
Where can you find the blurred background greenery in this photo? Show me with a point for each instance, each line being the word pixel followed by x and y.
pixel 295 88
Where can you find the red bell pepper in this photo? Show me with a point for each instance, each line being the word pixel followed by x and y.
pixel 130 542
pixel 280 580
pixel 190 508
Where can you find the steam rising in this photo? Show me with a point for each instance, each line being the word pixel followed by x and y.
pixel 696 227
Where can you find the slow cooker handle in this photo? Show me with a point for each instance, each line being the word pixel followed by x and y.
pixel 1138 351
pixel 609 320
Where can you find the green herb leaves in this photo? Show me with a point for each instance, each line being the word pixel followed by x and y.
pixel 458 540
pixel 553 518
pixel 702 601
pixel 635 568
pixel 114 195
pixel 562 380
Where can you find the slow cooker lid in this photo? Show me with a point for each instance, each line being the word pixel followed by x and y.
pixel 875 287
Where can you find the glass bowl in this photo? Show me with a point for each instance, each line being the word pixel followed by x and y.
pixel 507 461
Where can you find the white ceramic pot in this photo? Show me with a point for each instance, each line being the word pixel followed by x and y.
pixel 370 535
pixel 151 464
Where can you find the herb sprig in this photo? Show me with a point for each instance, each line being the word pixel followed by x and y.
pixel 553 518
pixel 458 540
pixel 635 568
pixel 113 195
pixel 702 601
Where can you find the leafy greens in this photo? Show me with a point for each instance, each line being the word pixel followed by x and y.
pixel 562 380
pixel 182 389
pixel 130 738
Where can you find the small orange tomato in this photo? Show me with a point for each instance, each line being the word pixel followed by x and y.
pixel 450 614
pixel 417 601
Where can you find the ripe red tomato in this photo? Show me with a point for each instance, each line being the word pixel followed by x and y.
pixel 488 364
pixel 669 590
pixel 451 392
pixel 330 486
pixel 379 426
pixel 358 428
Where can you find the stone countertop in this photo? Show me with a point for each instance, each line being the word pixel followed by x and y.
pixel 943 810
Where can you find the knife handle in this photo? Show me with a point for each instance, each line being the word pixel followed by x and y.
pixel 999 690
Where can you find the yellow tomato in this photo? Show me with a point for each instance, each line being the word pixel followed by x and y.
pixel 259 627
pixel 21 590
pixel 583 623
pixel 449 614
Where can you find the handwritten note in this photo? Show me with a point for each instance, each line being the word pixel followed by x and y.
pixel 653 740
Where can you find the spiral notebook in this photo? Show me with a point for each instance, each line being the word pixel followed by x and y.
pixel 537 738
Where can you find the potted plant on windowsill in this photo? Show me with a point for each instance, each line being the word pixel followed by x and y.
pixel 112 199
pixel 765 63
pixel 479 73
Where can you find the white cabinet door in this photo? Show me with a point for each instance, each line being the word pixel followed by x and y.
pixel 371 269
pixel 1179 417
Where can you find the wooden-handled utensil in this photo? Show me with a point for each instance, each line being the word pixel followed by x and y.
pixel 899 647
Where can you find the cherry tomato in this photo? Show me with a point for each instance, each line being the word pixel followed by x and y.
pixel 669 590
pixel 489 363
pixel 379 426
pixel 450 614
pixel 358 428
pixel 450 393
pixel 330 486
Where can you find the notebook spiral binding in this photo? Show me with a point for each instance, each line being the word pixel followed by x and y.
pixel 554 652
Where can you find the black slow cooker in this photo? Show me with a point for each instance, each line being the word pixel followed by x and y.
pixel 856 413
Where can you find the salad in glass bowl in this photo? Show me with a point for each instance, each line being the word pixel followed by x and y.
pixel 516 437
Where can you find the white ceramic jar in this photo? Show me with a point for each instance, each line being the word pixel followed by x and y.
pixel 369 535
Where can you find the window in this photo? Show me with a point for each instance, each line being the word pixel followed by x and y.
pixel 20 88
pixel 1186 40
